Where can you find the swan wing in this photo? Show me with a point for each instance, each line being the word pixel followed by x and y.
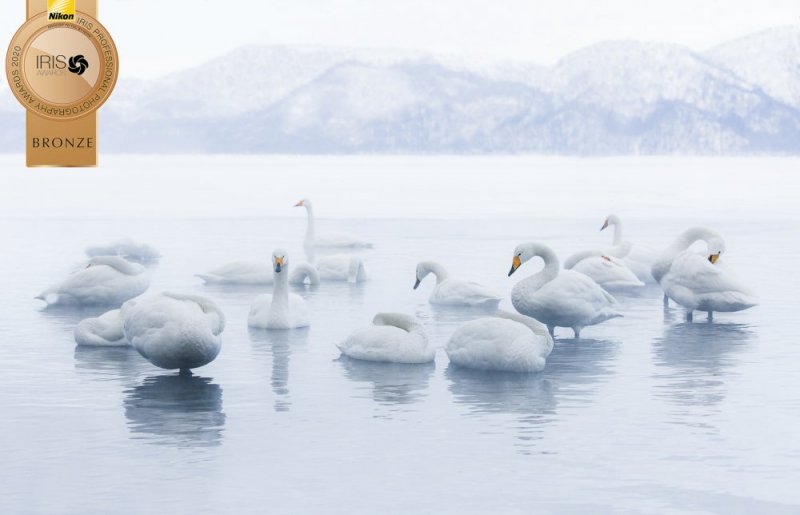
pixel 240 272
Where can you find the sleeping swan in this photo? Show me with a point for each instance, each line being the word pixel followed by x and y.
pixel 127 248
pixel 506 342
pixel 102 331
pixel 638 258
pixel 392 338
pixel 565 299
pixel 609 272
pixel 174 331
pixel 105 281
pixel 695 280
pixel 455 292
pixel 281 310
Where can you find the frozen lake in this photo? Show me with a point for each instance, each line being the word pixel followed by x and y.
pixel 645 414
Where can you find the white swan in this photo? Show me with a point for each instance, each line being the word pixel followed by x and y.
pixel 565 299
pixel 105 281
pixel 638 258
pixel 609 272
pixel 695 280
pixel 506 342
pixel 327 240
pixel 127 248
pixel 455 292
pixel 102 331
pixel 256 273
pixel 281 310
pixel 392 338
pixel 340 267
pixel 174 331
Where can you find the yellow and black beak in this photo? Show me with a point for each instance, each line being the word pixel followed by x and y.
pixel 416 284
pixel 713 258
pixel 300 204
pixel 514 265
pixel 278 264
pixel 605 225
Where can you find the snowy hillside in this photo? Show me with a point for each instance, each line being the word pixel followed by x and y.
pixel 618 97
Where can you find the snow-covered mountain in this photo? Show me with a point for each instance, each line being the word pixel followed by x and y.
pixel 618 97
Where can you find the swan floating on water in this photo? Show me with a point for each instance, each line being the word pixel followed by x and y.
pixel 326 240
pixel 256 273
pixel 695 280
pixel 455 292
pixel 609 272
pixel 506 342
pixel 559 298
pixel 105 281
pixel 392 338
pixel 174 331
pixel 102 331
pixel 338 267
pixel 128 249
pixel 281 309
pixel 638 258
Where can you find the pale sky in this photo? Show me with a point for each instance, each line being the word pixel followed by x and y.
pixel 156 37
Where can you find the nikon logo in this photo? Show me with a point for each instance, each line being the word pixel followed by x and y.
pixel 61 16
pixel 61 10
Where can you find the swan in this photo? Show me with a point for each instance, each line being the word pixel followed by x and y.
pixel 281 309
pixel 102 331
pixel 609 272
pixel 105 281
pixel 455 292
pixel 127 248
pixel 174 331
pixel 392 338
pixel 328 240
pixel 638 258
pixel 255 273
pixel 505 342
pixel 695 280
pixel 338 267
pixel 565 299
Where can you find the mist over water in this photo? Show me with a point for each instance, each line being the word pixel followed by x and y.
pixel 644 413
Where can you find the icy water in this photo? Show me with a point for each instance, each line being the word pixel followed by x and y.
pixel 645 414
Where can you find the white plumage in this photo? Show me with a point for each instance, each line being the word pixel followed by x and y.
pixel 102 331
pixel 455 292
pixel 609 272
pixel 105 281
pixel 393 338
pixel 281 309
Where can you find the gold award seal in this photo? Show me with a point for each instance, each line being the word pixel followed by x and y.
pixel 62 65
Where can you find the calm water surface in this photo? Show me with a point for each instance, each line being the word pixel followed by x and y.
pixel 647 413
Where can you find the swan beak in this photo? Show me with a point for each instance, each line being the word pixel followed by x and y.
pixel 278 264
pixel 299 204
pixel 606 258
pixel 713 258
pixel 416 284
pixel 514 265
pixel 605 225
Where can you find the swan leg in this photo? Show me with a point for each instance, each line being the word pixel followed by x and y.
pixel 552 330
pixel 577 331
pixel 689 316
pixel 710 316
pixel 666 301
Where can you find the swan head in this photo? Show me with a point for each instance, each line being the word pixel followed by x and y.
pixel 303 203
pixel 610 220
pixel 423 270
pixel 716 246
pixel 280 260
pixel 522 254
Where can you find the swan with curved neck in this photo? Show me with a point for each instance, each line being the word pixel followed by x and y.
pixel 637 258
pixel 505 342
pixel 454 292
pixel 392 338
pixel 694 280
pixel 106 280
pixel 173 330
pixel 609 272
pixel 558 298
pixel 281 309
pixel 312 240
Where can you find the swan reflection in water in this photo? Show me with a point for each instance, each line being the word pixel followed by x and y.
pixel 572 370
pixel 694 359
pixel 111 363
pixel 390 384
pixel 181 409
pixel 278 345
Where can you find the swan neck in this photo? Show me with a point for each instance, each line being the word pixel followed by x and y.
pixel 308 242
pixel 280 294
pixel 399 320
pixel 437 270
pixel 546 274
pixel 617 232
